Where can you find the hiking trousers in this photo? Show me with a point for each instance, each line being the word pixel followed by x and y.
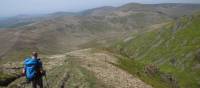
pixel 37 82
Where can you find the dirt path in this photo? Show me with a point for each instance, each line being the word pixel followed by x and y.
pixel 99 63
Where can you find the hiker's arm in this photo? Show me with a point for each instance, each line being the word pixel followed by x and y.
pixel 41 67
pixel 23 71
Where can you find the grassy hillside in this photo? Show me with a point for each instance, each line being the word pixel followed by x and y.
pixel 173 50
pixel 60 33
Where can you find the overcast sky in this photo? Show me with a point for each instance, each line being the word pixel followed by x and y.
pixel 19 7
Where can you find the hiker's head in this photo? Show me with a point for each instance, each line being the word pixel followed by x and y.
pixel 35 54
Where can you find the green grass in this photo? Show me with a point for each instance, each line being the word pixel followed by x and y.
pixel 173 48
pixel 78 76
pixel 18 55
pixel 135 68
pixel 70 74
pixel 6 78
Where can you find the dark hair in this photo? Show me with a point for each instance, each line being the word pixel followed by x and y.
pixel 35 54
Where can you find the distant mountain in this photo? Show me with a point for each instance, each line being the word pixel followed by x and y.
pixel 98 11
pixel 1 18
pixel 157 42
pixel 62 31
pixel 20 20
pixel 171 9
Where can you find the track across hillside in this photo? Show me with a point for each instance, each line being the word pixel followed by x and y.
pixel 100 64
pixel 85 68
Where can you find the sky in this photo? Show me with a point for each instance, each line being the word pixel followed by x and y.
pixel 31 7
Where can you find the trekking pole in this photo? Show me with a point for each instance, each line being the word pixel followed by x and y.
pixel 46 80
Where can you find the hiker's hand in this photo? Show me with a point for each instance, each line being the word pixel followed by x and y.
pixel 44 72
pixel 23 74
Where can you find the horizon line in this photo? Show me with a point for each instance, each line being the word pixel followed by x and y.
pixel 35 14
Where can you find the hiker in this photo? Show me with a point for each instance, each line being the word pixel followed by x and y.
pixel 33 70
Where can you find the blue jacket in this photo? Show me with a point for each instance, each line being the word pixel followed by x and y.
pixel 32 67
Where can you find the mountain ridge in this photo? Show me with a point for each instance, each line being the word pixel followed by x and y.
pixel 27 19
pixel 100 28
pixel 109 25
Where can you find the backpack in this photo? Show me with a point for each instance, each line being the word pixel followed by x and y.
pixel 31 66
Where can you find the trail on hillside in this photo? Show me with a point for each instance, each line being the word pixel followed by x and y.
pixel 100 64
pixel 85 68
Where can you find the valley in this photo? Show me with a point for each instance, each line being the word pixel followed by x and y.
pixel 131 46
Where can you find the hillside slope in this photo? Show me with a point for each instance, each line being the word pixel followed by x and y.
pixel 65 32
pixel 86 68
pixel 174 49
pixel 58 33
